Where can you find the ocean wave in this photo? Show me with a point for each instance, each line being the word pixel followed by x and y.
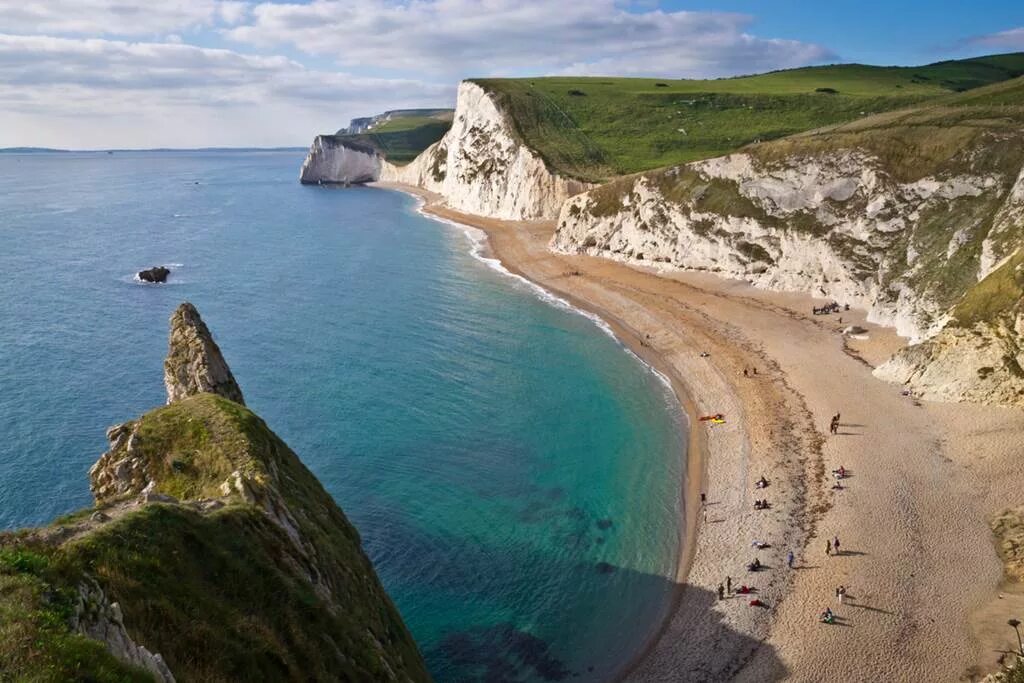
pixel 478 250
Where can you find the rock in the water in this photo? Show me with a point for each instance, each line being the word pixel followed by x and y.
pixel 194 363
pixel 154 274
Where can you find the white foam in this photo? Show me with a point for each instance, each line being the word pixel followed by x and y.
pixel 478 248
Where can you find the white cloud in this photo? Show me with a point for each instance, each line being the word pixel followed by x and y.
pixel 1011 39
pixel 500 37
pixel 114 17
pixel 44 79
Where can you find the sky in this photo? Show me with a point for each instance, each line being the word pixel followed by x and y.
pixel 94 74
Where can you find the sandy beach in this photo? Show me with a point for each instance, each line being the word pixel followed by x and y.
pixel 925 599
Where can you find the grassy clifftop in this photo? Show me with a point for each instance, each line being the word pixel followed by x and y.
pixel 221 552
pixel 597 128
pixel 401 138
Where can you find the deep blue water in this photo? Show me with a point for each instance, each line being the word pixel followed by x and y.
pixel 514 473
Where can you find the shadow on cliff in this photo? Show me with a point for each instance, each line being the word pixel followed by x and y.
pixel 508 653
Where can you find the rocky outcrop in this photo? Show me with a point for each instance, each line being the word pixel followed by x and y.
pixel 340 161
pixel 204 515
pixel 194 363
pixel 979 355
pixel 482 167
pixel 96 617
pixel 154 274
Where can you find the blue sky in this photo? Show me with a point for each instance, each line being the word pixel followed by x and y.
pixel 878 32
pixel 177 73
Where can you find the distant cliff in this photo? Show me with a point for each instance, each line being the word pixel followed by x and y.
pixel 336 160
pixel 365 124
pixel 212 554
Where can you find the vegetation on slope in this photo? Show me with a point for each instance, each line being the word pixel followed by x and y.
pixel 222 593
pixel 979 133
pixel 402 138
pixel 597 128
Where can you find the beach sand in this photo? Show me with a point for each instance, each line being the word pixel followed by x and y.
pixel 924 594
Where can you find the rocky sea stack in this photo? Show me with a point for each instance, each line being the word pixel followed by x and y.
pixel 156 274
pixel 210 544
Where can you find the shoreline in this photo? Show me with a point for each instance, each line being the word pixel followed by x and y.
pixel 926 479
pixel 698 452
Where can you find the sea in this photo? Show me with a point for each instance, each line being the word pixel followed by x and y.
pixel 514 472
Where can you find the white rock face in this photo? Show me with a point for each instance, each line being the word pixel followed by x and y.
pixel 980 365
pixel 835 225
pixel 97 618
pixel 481 167
pixel 331 160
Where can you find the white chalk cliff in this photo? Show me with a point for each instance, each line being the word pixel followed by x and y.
pixel 482 167
pixel 334 160
pixel 841 225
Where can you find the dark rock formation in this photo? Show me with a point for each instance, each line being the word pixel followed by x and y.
pixel 154 274
pixel 194 363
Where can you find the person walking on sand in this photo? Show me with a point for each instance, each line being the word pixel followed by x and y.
pixel 789 559
pixel 728 585
pixel 828 547
pixel 835 544
pixel 721 592
pixel 841 593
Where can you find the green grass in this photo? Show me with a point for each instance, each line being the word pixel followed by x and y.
pixel 597 128
pixel 996 296
pixel 36 645
pixel 402 138
pixel 222 596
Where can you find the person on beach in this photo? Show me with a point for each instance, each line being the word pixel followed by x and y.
pixel 835 544
pixel 789 559
pixel 728 585
pixel 828 547
pixel 746 373
pixel 721 592
pixel 841 593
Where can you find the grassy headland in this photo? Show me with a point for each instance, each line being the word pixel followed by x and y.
pixel 401 138
pixel 597 128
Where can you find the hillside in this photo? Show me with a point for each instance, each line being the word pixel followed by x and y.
pixel 915 215
pixel 401 135
pixel 593 129
pixel 210 544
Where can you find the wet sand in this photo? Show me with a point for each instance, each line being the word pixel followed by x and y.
pixel 917 557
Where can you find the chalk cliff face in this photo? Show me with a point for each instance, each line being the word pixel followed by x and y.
pixel 334 160
pixel 481 167
pixel 212 554
pixel 845 221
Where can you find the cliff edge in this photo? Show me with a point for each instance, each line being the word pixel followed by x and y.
pixel 916 216
pixel 482 166
pixel 212 554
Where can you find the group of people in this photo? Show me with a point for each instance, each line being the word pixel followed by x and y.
pixel 832 546
pixel 829 308
pixel 761 504
pixel 833 426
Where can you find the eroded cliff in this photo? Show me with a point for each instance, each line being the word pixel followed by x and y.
pixel 482 167
pixel 338 161
pixel 901 214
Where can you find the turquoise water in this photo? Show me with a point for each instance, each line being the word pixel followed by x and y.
pixel 514 473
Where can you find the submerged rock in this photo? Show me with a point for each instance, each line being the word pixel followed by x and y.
pixel 194 363
pixel 155 274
